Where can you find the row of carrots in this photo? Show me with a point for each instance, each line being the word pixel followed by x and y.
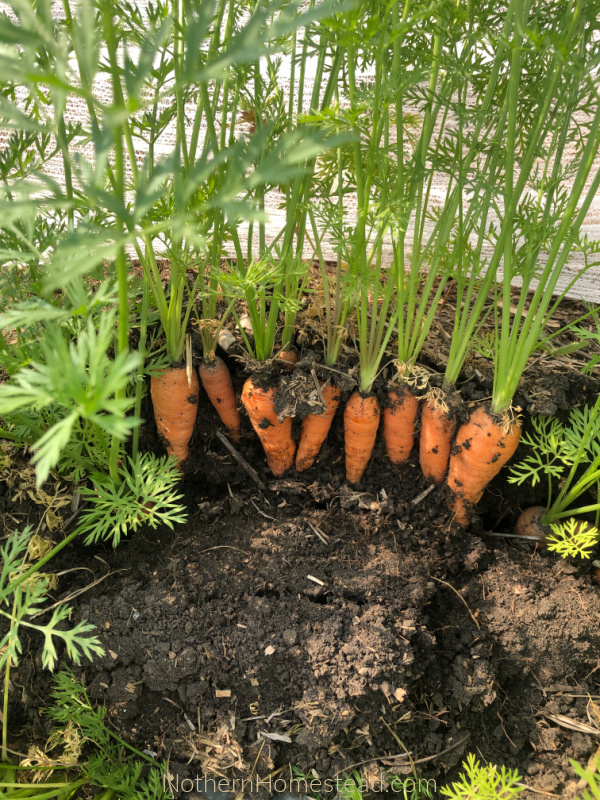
pixel 481 447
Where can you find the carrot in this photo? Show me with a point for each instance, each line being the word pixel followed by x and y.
pixel 175 403
pixel 483 446
pixel 399 424
pixel 361 420
pixel 316 427
pixel 276 437
pixel 217 383
pixel 290 356
pixel 530 523
pixel 437 428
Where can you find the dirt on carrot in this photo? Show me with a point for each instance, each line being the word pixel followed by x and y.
pixel 438 423
pixel 483 446
pixel 275 435
pixel 216 380
pixel 399 417
pixel 315 428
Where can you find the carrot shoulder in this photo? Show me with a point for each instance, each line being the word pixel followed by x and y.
pixel 483 446
pixel 175 403
pixel 316 427
pixel 217 384
pixel 361 421
pixel 289 356
pixel 276 437
pixel 437 428
pixel 399 424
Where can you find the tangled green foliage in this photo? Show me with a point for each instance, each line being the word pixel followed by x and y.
pixel 146 495
pixel 573 538
pixel 484 783
pixel 23 598
pixel 83 753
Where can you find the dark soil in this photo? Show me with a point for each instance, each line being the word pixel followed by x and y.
pixel 358 624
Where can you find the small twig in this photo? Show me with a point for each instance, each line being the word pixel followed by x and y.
pixel 73 516
pixel 73 595
pixel 240 459
pixel 536 791
pixel 401 743
pixel 319 533
pixel 439 580
pixel 371 761
pixel 572 724
pixel 505 731
pixel 515 536
pixel 223 547
pixel 262 513
pixel 318 387
pixel 405 755
pixel 423 495
pixel 443 752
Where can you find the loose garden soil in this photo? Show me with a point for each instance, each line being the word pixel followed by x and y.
pixel 358 623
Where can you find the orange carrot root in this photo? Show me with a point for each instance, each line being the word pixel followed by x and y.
pixel 175 405
pixel 361 421
pixel 482 449
pixel 290 356
pixel 316 427
pixel 530 523
pixel 217 383
pixel 399 424
pixel 276 437
pixel 437 429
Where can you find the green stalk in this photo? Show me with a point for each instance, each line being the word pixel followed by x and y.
pixel 181 139
pixel 513 97
pixel 214 45
pixel 571 490
pixel 539 130
pixel 5 700
pixel 505 384
pixel 40 563
pixel 142 351
pixel 121 261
